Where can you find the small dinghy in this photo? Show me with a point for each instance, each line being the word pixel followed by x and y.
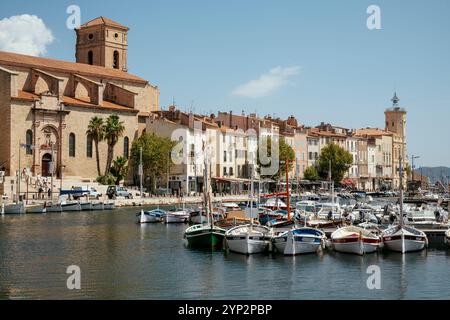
pixel 151 216
pixel 355 240
pixel 299 241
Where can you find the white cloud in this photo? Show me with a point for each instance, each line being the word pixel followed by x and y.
pixel 267 83
pixel 26 34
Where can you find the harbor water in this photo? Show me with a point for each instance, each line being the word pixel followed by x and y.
pixel 120 259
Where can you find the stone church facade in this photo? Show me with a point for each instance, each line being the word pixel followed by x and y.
pixel 47 104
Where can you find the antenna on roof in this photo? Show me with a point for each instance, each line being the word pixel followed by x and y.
pixel 192 107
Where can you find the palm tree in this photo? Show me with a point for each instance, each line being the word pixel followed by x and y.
pixel 114 129
pixel 96 131
pixel 119 169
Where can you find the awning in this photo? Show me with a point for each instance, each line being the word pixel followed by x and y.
pixel 348 182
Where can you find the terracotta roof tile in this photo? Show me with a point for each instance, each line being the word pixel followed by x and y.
pixel 103 21
pixel 20 60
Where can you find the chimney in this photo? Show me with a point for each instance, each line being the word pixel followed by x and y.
pixel 231 119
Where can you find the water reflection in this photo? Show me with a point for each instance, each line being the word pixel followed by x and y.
pixel 121 259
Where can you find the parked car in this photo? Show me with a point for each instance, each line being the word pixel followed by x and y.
pixel 90 191
pixel 115 191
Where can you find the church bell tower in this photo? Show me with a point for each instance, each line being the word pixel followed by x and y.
pixel 102 42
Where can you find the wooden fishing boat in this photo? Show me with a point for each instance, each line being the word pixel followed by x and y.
pixel 354 240
pixel 299 241
pixel 151 216
pixel 206 236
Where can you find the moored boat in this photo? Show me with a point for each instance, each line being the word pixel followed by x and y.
pixel 180 216
pixel 35 209
pixel 248 239
pixel 204 236
pixel 97 205
pixel 111 205
pixel 355 240
pixel 299 241
pixel 17 208
pixel 70 206
pixel 151 216
pixel 404 239
pixel 86 206
pixel 53 207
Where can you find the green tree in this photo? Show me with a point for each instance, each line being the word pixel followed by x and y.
pixel 96 131
pixel 341 160
pixel 155 156
pixel 311 174
pixel 113 130
pixel 119 169
pixel 285 153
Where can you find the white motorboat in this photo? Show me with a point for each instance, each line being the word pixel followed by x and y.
pixel 355 240
pixel 53 207
pixel 36 209
pixel 97 206
pixel 299 241
pixel 17 208
pixel 109 205
pixel 181 216
pixel 69 206
pixel 151 216
pixel 86 206
pixel 404 239
pixel 248 239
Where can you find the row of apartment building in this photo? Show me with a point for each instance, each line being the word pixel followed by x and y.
pixel 230 141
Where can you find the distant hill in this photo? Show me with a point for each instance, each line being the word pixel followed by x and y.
pixel 435 173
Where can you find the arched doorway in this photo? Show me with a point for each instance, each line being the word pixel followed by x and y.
pixel 46 165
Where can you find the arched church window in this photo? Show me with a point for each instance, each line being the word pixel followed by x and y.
pixel 89 146
pixel 90 57
pixel 29 142
pixel 116 60
pixel 71 145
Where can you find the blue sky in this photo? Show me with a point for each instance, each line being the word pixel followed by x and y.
pixel 316 60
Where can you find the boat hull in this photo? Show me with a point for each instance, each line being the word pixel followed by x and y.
pixel 109 206
pixel 176 218
pixel 299 241
pixel 97 206
pixel 149 218
pixel 71 207
pixel 247 244
pixel 14 209
pixel 36 210
pixel 404 244
pixel 354 247
pixel 86 206
pixel 54 208
pixel 205 238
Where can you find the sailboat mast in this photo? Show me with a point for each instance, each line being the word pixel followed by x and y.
pixel 287 191
pixel 251 201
